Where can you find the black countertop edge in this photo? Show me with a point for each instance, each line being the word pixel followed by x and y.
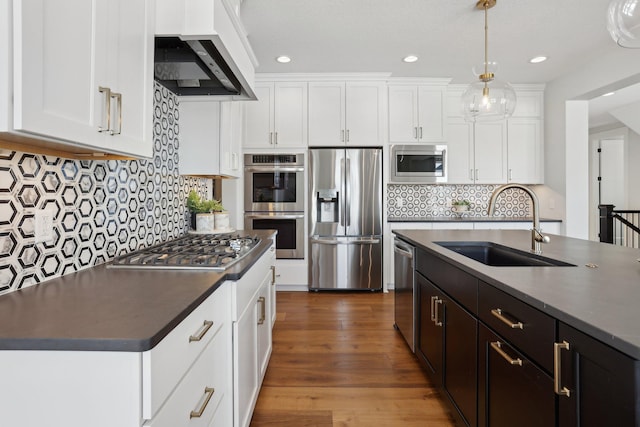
pixel 469 219
pixel 235 272
pixel 616 342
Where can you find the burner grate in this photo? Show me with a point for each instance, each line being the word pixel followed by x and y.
pixel 209 251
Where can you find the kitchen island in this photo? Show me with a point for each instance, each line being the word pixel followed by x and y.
pixel 530 345
pixel 139 346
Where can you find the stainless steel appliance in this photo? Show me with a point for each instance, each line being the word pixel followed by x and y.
pixel 290 226
pixel 404 290
pixel 274 199
pixel 345 219
pixel 192 251
pixel 274 183
pixel 418 163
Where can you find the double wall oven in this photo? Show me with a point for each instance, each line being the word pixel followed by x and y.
pixel 274 199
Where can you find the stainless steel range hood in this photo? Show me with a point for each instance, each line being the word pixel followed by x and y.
pixel 193 67
pixel 201 49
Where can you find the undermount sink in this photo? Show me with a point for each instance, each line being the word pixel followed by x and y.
pixel 497 255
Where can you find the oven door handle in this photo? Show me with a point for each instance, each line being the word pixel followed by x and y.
pixel 271 216
pixel 324 241
pixel 273 169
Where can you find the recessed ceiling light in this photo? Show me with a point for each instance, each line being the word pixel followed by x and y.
pixel 410 58
pixel 608 94
pixel 283 59
pixel 538 59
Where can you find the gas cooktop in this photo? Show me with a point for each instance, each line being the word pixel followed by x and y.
pixel 202 251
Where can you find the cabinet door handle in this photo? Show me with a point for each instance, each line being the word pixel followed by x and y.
pixel 476 174
pixel 107 109
pixel 271 138
pixel 471 174
pixel 263 309
pixel 497 312
pixel 273 275
pixel 510 174
pixel 275 137
pixel 557 387
pixel 415 132
pixel 433 309
pixel 234 161
pixel 497 346
pixel 203 331
pixel 342 135
pixel 437 319
pixel 208 391
pixel 420 132
pixel 347 135
pixel 118 97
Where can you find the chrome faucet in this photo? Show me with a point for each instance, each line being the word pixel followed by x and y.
pixel 536 235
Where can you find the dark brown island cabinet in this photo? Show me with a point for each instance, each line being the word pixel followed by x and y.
pixel 501 362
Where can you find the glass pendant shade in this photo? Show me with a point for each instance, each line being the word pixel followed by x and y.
pixel 623 22
pixel 490 101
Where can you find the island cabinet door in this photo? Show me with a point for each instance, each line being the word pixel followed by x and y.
pixel 598 386
pixel 446 346
pixel 512 391
pixel 430 333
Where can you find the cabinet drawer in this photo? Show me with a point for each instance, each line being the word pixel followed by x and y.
pixel 533 332
pixel 460 285
pixel 197 398
pixel 166 363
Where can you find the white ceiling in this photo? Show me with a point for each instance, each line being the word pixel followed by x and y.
pixel 447 35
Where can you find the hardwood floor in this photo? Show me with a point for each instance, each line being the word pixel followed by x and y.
pixel 338 361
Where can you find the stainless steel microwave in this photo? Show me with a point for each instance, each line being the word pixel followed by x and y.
pixel 424 163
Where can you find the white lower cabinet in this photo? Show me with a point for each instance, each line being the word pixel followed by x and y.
pixel 206 372
pixel 251 336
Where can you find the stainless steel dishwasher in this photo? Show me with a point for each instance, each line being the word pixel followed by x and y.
pixel 404 304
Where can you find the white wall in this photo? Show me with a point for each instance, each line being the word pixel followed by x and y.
pixel 609 70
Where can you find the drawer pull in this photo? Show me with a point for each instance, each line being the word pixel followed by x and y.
pixel 513 325
pixel 497 346
pixel 209 392
pixel 557 387
pixel 273 275
pixel 263 310
pixel 205 328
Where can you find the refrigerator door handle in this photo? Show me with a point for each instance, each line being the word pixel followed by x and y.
pixel 342 190
pixel 347 194
pixel 329 241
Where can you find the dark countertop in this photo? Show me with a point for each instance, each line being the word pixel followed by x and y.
pixel 601 302
pixel 468 218
pixel 110 309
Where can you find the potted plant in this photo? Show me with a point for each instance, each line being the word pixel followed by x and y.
pixel 461 206
pixel 202 212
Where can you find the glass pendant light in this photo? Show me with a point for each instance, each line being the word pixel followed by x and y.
pixel 623 22
pixel 488 99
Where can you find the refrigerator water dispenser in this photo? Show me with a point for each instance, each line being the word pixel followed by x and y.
pixel 327 205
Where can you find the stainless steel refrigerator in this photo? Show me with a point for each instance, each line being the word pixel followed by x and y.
pixel 345 219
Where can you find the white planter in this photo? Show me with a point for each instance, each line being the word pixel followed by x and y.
pixel 205 223
pixel 222 221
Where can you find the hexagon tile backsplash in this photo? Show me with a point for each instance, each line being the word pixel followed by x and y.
pixel 101 208
pixel 420 201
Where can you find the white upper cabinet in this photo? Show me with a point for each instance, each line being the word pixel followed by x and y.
pixel 278 119
pixel 417 113
pixel 525 151
pixel 497 152
pixel 230 139
pixel 209 138
pixel 82 81
pixel 346 113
